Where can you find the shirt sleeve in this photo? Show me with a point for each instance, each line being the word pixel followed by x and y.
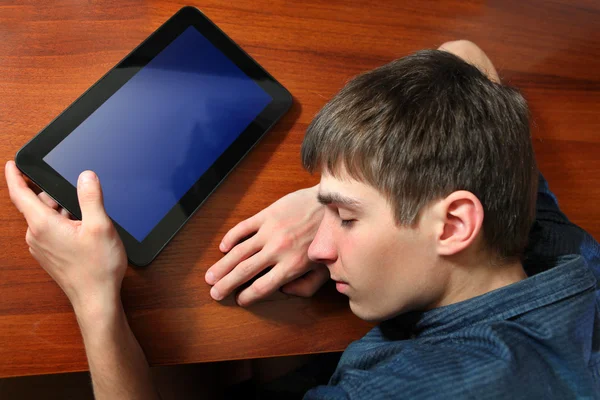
pixel 553 235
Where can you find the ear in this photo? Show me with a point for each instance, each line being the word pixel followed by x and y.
pixel 462 220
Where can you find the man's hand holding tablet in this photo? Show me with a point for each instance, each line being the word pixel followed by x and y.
pixel 161 130
pixel 86 258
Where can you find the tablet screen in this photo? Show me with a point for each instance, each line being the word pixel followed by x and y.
pixel 161 131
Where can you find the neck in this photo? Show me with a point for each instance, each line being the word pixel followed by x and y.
pixel 465 281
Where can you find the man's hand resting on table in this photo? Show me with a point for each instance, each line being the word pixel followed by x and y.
pixel 281 235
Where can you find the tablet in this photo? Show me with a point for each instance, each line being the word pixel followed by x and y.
pixel 161 130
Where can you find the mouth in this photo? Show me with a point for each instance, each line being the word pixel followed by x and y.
pixel 341 286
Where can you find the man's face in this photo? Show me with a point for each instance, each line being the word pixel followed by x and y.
pixel 385 269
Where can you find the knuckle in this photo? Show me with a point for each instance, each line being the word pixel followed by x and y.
pixel 98 229
pixel 296 266
pixel 292 271
pixel 220 269
pixel 240 227
pixel 284 242
pixel 298 261
pixel 276 226
pixel 38 227
pixel 238 252
pixel 88 196
pixel 229 237
pixel 29 238
pixel 246 268
pixel 263 287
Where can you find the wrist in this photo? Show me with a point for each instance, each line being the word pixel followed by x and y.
pixel 311 194
pixel 97 310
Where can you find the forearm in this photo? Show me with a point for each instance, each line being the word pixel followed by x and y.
pixel 553 234
pixel 117 363
pixel 472 54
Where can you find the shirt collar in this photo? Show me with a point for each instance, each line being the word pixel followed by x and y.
pixel 567 276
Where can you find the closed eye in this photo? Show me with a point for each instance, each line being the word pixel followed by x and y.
pixel 346 223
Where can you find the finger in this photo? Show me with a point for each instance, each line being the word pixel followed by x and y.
pixel 308 284
pixel 66 213
pixel 91 203
pixel 26 201
pixel 240 231
pixel 241 274
pixel 265 286
pixel 232 259
pixel 47 200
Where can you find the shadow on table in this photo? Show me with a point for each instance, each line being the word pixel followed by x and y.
pixel 176 279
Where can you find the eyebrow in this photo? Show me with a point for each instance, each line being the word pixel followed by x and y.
pixel 338 199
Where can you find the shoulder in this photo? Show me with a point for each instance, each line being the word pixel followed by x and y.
pixel 493 361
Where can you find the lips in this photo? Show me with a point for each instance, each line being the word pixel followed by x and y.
pixel 341 287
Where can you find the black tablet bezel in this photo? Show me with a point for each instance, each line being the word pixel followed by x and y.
pixel 30 158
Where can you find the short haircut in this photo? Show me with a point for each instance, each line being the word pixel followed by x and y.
pixel 424 126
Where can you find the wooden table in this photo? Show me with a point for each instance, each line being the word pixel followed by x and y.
pixel 50 54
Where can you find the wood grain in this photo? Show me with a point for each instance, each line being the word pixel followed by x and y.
pixel 50 54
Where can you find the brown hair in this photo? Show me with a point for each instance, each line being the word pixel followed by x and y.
pixel 424 126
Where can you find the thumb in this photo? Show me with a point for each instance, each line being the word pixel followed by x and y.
pixel 89 193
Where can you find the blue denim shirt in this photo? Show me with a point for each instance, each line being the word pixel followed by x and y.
pixel 536 339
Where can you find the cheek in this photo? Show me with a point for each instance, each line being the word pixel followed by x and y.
pixel 350 246
pixel 363 255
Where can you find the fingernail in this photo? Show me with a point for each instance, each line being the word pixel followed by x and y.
pixel 210 278
pixel 87 176
pixel 240 303
pixel 214 293
pixel 222 246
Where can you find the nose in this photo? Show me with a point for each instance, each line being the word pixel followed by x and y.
pixel 322 249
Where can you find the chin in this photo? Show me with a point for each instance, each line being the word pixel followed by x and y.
pixel 373 314
pixel 367 314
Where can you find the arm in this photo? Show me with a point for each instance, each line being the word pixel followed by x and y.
pixel 117 363
pixel 553 235
pixel 87 260
pixel 472 54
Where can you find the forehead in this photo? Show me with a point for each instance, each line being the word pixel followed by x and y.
pixel 344 186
